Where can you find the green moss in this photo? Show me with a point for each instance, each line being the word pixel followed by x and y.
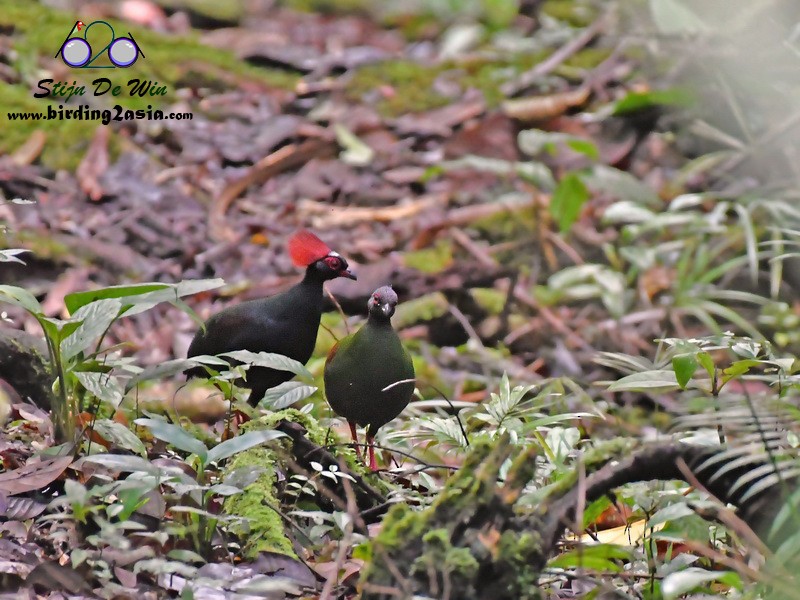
pixel 412 83
pixel 510 225
pixel 45 247
pixel 588 58
pixel 431 260
pixel 230 11
pixel 330 7
pixel 574 12
pixel 422 309
pixel 441 555
pixel 489 299
pixel 262 527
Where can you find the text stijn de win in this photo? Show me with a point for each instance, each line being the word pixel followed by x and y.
pixel 102 85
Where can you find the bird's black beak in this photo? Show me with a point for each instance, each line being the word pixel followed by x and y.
pixel 349 274
pixel 387 309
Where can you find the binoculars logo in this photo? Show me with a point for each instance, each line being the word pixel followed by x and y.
pixel 76 51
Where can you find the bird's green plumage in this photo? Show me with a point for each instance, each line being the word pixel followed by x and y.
pixel 359 369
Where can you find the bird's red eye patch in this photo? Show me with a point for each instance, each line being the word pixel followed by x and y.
pixel 333 263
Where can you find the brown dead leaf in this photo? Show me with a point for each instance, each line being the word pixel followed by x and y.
pixel 490 539
pixel 494 136
pixel 33 476
pixel 350 567
pixel 539 108
pixel 52 576
pixel 94 164
pixel 84 421
pixel 655 280
pixel 30 150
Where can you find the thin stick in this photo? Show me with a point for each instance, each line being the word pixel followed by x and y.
pixel 340 311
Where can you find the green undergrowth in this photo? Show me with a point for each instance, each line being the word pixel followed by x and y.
pixel 262 527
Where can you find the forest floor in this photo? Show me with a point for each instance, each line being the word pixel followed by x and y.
pixel 529 178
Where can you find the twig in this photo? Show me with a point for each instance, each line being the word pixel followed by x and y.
pixel 463 240
pixel 724 514
pixel 528 78
pixel 344 543
pixel 340 311
pixel 283 159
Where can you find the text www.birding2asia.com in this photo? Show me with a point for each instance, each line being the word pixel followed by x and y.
pixel 84 112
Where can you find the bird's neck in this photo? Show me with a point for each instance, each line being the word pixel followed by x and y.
pixel 379 321
pixel 310 289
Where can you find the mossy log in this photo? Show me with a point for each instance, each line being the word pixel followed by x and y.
pixel 259 507
pixel 25 366
pixel 476 543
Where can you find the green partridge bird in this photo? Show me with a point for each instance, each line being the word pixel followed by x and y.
pixel 369 377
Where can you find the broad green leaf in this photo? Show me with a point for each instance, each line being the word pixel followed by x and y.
pixel 595 510
pixel 705 360
pixel 141 297
pixel 58 329
pixel 684 367
pixel 740 367
pixel 636 101
pixel 20 297
pixel 598 557
pixel 221 489
pixel 271 361
pixel 172 367
pixel 244 476
pixel 240 443
pixel 78 299
pixel 683 582
pixel 118 434
pixel 584 147
pixel 286 394
pixel 622 185
pixel 95 319
pixel 657 381
pixel 101 385
pixel 120 462
pixel 176 436
pixel 670 513
pixel 626 211
pixel 568 199
pixel 674 17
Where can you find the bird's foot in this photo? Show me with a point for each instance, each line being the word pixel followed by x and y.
pixel 371 450
pixel 355 439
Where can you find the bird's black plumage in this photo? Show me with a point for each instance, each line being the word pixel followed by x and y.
pixel 285 324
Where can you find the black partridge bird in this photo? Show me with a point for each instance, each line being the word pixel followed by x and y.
pixel 284 324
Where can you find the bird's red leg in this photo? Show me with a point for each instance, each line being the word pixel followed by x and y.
pixel 355 438
pixel 371 450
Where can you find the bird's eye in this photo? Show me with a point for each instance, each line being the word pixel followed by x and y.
pixel 333 263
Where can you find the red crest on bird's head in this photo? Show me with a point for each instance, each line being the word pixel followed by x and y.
pixel 305 248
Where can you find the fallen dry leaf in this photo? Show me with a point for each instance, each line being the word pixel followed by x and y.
pixel 33 476
pixel 94 164
pixel 30 150
pixel 539 108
